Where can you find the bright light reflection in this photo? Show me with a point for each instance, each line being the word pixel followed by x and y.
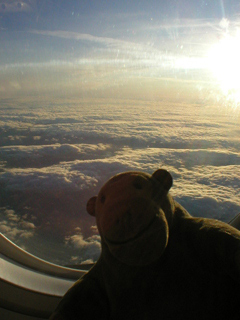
pixel 224 61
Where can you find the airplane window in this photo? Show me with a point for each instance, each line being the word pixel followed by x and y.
pixel 92 88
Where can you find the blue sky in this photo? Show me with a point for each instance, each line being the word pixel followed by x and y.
pixel 161 24
pixel 49 11
pixel 145 33
pixel 123 48
pixel 99 16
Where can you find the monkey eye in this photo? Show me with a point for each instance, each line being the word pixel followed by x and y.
pixel 103 198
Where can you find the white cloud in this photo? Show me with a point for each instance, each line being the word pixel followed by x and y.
pixel 198 174
pixel 77 241
pixel 26 235
pixel 82 36
pixel 47 184
pixel 50 178
pixel 28 156
pixel 88 249
pixel 88 261
pixel 4 228
pixel 14 227
pixel 11 215
pixel 27 225
pixel 145 143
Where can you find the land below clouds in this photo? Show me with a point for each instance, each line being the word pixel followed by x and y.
pixel 54 158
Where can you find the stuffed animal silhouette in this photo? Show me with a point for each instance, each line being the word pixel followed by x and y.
pixel 157 261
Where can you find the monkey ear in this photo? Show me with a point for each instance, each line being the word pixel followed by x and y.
pixel 164 177
pixel 91 206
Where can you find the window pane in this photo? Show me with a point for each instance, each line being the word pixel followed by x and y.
pixel 89 89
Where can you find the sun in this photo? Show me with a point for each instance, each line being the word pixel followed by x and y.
pixel 224 62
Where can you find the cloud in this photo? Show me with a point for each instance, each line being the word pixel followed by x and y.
pixel 151 126
pixel 82 36
pixel 136 54
pixel 87 250
pixel 14 227
pixel 4 228
pixel 11 215
pixel 46 182
pixel 157 135
pixel 27 225
pixel 26 235
pixel 42 156
pixel 78 242
pixel 196 173
pixel 88 261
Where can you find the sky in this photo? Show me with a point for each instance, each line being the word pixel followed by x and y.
pixel 79 47
pixel 89 89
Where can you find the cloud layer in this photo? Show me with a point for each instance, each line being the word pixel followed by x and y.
pixel 55 157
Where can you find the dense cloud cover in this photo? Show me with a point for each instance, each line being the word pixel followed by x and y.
pixel 53 158
pixel 91 89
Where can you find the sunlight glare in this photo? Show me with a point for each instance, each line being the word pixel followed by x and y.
pixel 224 61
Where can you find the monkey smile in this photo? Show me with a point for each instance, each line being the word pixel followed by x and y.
pixel 140 234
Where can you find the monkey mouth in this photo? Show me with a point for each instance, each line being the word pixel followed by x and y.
pixel 145 247
pixel 151 227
